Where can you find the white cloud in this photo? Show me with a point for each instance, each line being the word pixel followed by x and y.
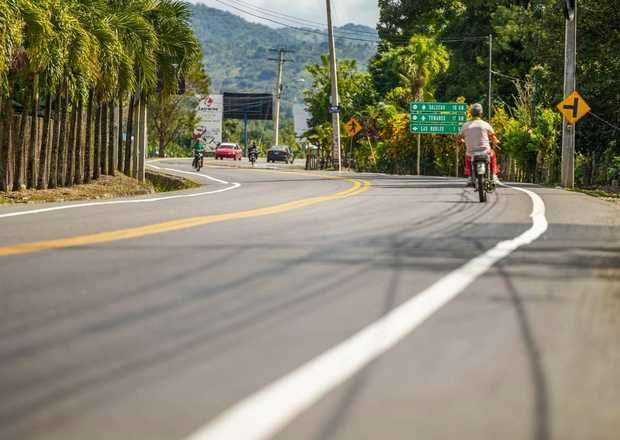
pixel 345 11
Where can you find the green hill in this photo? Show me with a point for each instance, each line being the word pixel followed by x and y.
pixel 237 52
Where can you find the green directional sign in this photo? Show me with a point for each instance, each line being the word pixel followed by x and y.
pixel 435 129
pixel 423 107
pixel 435 118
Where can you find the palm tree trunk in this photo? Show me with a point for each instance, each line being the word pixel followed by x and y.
pixel 111 141
pixel 97 148
pixel 134 146
pixel 78 168
pixel 121 155
pixel 3 124
pixel 71 144
pixel 129 135
pixel 62 143
pixel 45 145
pixel 53 177
pixel 88 145
pixel 142 138
pixel 20 150
pixel 104 138
pixel 34 135
pixel 6 157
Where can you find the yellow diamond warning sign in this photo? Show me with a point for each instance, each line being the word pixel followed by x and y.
pixel 353 127
pixel 574 107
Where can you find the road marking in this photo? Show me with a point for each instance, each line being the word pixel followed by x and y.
pixel 358 186
pixel 132 201
pixel 262 415
pixel 223 182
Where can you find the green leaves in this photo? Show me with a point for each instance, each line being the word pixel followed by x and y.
pixel 111 46
pixel 413 67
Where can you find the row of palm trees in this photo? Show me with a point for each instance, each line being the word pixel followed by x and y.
pixel 75 77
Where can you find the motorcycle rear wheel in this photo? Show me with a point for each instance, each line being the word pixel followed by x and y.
pixel 482 193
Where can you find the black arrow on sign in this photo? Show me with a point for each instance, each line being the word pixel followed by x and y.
pixel 574 107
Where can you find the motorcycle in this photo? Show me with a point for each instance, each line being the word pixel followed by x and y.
pixel 198 160
pixel 481 174
pixel 253 156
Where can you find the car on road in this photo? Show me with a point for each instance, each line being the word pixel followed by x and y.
pixel 228 151
pixel 280 153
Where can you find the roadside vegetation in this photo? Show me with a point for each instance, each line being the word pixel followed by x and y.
pixel 76 77
pixel 439 51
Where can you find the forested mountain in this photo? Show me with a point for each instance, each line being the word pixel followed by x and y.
pixel 237 52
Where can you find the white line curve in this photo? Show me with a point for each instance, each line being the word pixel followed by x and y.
pixel 232 186
pixel 262 415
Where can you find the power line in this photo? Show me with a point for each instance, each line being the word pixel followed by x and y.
pixel 302 21
pixel 503 75
pixel 310 31
pixel 472 38
pixel 605 121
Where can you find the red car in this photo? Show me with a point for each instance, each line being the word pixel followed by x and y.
pixel 229 151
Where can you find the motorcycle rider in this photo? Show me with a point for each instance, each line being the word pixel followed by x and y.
pixel 477 135
pixel 253 150
pixel 199 150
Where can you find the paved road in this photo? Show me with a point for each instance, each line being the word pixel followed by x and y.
pixel 297 306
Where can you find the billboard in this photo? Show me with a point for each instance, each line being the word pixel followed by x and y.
pixel 211 116
pixel 251 106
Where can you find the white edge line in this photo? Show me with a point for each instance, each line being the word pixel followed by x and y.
pixel 126 202
pixel 223 182
pixel 265 413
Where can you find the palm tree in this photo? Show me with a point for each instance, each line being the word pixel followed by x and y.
pixel 88 142
pixel 53 175
pixel 78 162
pixel 11 37
pixel 417 63
pixel 107 51
pixel 62 136
pixel 111 140
pixel 103 158
pixel 37 31
pixel 45 145
pixel 138 67
pixel 73 120
pixel 32 167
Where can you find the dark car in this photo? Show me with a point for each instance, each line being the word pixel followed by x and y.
pixel 280 153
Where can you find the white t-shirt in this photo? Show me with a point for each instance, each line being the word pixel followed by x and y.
pixel 477 134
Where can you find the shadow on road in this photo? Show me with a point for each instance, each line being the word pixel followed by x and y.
pixel 541 429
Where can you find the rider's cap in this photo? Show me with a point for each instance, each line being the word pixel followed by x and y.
pixel 476 109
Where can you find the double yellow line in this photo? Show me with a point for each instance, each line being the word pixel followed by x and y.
pixel 358 186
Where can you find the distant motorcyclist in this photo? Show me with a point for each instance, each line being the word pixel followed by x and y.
pixel 253 152
pixel 199 152
pixel 478 135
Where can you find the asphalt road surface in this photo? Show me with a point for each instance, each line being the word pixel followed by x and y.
pixel 291 305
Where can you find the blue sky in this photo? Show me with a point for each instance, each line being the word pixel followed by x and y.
pixel 345 11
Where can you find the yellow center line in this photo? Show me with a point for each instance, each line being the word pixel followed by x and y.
pixel 358 187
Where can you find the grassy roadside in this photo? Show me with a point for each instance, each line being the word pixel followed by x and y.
pixel 604 194
pixel 106 187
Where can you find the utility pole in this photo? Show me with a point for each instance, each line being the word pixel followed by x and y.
pixel 418 158
pixel 279 88
pixel 570 85
pixel 490 110
pixel 334 78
